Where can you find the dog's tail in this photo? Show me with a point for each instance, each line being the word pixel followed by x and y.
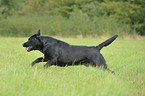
pixel 107 42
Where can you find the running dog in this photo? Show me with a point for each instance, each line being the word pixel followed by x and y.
pixel 57 52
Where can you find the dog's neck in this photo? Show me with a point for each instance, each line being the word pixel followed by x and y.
pixel 46 41
pixel 49 41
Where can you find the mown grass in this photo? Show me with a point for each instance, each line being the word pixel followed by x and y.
pixel 125 57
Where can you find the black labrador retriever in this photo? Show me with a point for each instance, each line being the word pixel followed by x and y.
pixel 59 53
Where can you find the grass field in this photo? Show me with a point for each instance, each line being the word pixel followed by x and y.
pixel 125 57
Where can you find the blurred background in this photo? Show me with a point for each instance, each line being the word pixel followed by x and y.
pixel 20 18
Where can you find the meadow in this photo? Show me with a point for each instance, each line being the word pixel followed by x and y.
pixel 125 57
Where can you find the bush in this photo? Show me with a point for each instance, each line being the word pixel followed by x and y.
pixel 79 23
pixel 127 12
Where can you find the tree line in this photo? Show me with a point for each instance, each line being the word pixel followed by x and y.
pixel 130 12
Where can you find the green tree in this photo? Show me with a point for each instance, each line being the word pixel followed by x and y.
pixel 6 8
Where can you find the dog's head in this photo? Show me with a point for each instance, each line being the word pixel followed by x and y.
pixel 34 42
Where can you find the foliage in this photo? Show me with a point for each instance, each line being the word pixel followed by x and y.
pixel 8 7
pixel 78 23
pixel 5 8
pixel 129 12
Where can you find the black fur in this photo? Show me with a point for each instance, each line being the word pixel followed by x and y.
pixel 59 53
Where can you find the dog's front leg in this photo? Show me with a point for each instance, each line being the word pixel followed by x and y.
pixel 50 62
pixel 47 64
pixel 41 59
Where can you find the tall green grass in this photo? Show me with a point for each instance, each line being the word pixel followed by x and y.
pixel 77 24
pixel 125 57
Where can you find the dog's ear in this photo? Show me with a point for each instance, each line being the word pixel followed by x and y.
pixel 38 33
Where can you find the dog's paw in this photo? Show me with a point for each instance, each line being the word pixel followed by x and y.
pixel 45 66
pixel 33 63
pixel 112 72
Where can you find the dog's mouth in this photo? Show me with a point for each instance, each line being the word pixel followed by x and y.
pixel 29 48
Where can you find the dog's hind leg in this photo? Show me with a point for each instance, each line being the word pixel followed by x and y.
pixel 100 62
pixel 41 59
pixel 102 65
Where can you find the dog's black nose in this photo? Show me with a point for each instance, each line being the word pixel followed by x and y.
pixel 23 44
